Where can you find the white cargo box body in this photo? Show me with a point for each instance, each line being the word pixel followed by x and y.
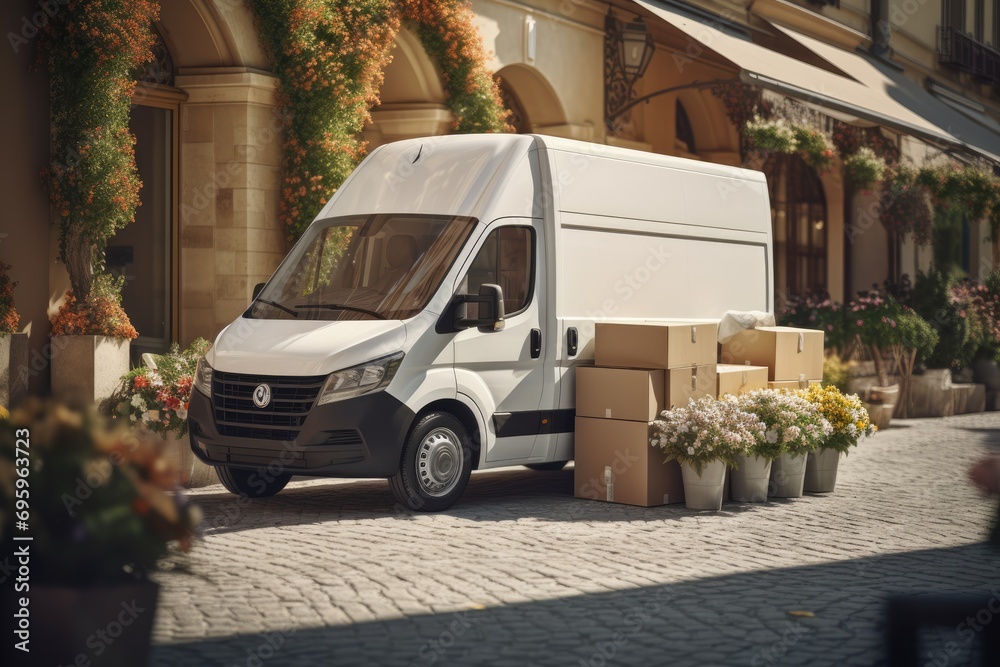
pixel 572 233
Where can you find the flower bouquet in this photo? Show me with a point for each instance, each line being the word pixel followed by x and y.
pixel 848 421
pixel 793 427
pixel 705 437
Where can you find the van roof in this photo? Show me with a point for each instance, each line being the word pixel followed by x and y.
pixel 460 174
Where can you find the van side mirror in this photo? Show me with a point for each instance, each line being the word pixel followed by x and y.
pixel 257 289
pixel 491 315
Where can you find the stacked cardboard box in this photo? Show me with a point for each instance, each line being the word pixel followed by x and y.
pixel 793 357
pixel 738 380
pixel 641 370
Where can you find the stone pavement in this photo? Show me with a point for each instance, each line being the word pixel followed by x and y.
pixel 520 573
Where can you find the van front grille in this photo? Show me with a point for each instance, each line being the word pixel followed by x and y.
pixel 236 415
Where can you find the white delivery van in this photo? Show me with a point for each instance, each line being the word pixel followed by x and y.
pixel 429 320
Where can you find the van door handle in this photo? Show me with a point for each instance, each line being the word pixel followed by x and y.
pixel 536 343
pixel 572 341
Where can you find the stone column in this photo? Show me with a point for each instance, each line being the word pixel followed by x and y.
pixel 230 154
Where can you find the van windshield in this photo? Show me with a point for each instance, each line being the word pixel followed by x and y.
pixel 363 267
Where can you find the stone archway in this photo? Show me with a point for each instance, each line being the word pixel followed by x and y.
pixel 412 99
pixel 540 109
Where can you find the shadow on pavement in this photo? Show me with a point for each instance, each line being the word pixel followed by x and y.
pixel 491 496
pixel 740 619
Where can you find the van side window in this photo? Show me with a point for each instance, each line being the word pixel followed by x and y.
pixel 506 259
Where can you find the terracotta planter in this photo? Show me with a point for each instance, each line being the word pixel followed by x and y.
pixel 880 414
pixel 821 471
pixel 748 482
pixel 88 368
pixel 788 474
pixel 704 491
pixel 65 622
pixel 13 368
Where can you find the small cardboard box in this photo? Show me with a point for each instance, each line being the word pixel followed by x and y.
pixel 684 384
pixel 619 393
pixel 789 353
pixel 737 380
pixel 793 384
pixel 614 462
pixel 651 345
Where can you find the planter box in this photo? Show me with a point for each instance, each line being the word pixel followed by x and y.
pixel 931 395
pixel 968 398
pixel 88 368
pixel 192 472
pixel 13 368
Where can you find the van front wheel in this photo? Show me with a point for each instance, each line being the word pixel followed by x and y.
pixel 251 483
pixel 436 465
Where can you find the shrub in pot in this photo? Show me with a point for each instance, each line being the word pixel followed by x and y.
pixel 911 341
pixel 705 437
pixel 102 518
pixel 933 300
pixel 794 427
pixel 849 421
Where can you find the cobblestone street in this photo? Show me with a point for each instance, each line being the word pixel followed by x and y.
pixel 520 573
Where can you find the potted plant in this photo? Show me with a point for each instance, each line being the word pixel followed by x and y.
pixel 705 437
pixel 752 474
pixel 848 421
pixel 101 518
pixel 795 428
pixel 872 319
pixel 911 340
pixel 92 180
pixel 13 345
pixel 864 168
pixel 90 346
pixel 153 401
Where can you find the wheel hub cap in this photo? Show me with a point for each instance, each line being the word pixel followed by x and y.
pixel 439 462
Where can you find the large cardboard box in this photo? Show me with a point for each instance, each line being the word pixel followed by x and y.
pixel 738 380
pixel 614 462
pixel 619 393
pixel 793 384
pixel 683 384
pixel 789 353
pixel 664 345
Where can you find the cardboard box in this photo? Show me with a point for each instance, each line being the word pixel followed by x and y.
pixel 738 380
pixel 614 462
pixel 695 382
pixel 793 384
pixel 619 393
pixel 662 345
pixel 789 353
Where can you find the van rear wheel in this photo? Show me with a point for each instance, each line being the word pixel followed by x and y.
pixel 251 483
pixel 436 465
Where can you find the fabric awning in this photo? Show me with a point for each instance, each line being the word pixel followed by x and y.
pixel 863 95
pixel 968 129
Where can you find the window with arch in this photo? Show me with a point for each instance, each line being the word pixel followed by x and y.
pixel 800 226
pixel 684 131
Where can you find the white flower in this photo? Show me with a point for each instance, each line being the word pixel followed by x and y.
pixel 690 451
pixel 771 436
pixel 182 413
pixel 138 403
pixel 132 418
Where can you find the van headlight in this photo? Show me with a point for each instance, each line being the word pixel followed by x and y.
pixel 203 377
pixel 368 377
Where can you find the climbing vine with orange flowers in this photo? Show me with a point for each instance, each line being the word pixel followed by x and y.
pixel 330 56
pixel 90 50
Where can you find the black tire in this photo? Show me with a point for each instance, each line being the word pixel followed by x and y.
pixel 251 483
pixel 430 479
pixel 550 466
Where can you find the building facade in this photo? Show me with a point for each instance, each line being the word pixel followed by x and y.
pixel 209 142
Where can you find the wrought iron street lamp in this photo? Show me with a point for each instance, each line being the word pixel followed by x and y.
pixel 637 48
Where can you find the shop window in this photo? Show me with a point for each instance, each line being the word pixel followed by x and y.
pixel 685 133
pixel 507 259
pixel 800 225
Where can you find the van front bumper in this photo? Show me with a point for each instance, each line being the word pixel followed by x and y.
pixel 357 437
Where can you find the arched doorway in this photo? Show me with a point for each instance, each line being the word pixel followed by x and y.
pixel 144 253
pixel 684 130
pixel 800 226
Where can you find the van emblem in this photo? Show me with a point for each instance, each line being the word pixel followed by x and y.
pixel 262 396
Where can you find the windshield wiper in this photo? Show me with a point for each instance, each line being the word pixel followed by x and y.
pixel 338 306
pixel 278 305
